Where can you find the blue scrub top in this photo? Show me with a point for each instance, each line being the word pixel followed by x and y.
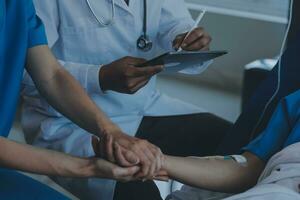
pixel 282 131
pixel 20 29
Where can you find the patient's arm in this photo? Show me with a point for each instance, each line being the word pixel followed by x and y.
pixel 215 173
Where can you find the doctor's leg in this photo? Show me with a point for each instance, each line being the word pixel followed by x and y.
pixel 185 135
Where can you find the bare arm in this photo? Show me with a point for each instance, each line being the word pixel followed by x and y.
pixel 63 92
pixel 40 161
pixel 66 95
pixel 215 173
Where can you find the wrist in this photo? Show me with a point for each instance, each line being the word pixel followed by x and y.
pixel 102 76
pixel 104 125
pixel 166 163
pixel 85 168
pixel 111 129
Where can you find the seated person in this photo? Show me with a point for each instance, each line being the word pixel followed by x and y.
pixel 228 175
pixel 93 54
pixel 23 45
pixel 243 129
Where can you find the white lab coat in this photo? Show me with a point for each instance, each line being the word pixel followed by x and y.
pixel 81 44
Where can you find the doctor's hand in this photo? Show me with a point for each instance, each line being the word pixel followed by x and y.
pixel 128 151
pixel 122 75
pixel 197 40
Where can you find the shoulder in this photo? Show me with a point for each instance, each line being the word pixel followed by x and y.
pixel 293 103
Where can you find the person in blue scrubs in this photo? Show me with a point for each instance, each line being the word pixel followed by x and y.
pixel 23 43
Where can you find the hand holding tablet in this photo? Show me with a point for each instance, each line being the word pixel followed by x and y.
pixel 183 59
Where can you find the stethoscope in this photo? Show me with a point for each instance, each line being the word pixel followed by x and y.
pixel 144 42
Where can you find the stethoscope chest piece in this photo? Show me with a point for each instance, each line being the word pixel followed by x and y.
pixel 144 43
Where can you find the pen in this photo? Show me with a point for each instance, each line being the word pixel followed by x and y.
pixel 199 18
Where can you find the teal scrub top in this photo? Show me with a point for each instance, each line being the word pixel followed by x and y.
pixel 282 130
pixel 20 29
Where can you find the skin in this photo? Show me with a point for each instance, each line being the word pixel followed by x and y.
pixel 215 173
pixel 122 76
pixel 198 40
pixel 40 161
pixel 59 88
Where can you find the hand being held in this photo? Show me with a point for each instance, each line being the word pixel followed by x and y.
pixel 106 169
pixel 127 151
pixel 123 76
pixel 197 40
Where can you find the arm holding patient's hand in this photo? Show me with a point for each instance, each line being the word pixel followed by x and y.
pixel 129 151
pixel 215 173
pixel 41 161
pixel 65 94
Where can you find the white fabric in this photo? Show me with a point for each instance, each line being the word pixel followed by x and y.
pixel 82 45
pixel 280 180
pixel 192 193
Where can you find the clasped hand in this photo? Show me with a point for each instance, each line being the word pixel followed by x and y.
pixel 127 152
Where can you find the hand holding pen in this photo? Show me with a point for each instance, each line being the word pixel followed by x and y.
pixel 194 40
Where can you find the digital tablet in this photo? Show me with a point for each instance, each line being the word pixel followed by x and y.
pixel 184 57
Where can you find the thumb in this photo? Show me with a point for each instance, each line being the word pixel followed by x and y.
pixel 129 171
pixel 132 157
pixel 178 41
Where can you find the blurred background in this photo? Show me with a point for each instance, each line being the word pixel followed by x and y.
pixel 249 30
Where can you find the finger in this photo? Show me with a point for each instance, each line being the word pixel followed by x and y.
pixel 131 157
pixel 102 147
pixel 126 173
pixel 120 158
pixel 193 36
pixel 162 178
pixel 133 82
pixel 138 86
pixel 178 41
pixel 146 71
pixel 135 61
pixel 144 172
pixel 199 44
pixel 153 163
pixel 206 48
pixel 109 149
pixel 157 156
pixel 96 146
pixel 162 173
pixel 146 164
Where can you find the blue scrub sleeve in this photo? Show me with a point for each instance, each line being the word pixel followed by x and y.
pixel 36 30
pixel 275 135
pixel 15 186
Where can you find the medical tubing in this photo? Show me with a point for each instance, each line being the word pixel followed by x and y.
pixel 278 73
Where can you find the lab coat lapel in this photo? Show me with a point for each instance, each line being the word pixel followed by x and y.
pixel 121 4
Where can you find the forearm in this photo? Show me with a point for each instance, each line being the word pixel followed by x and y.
pixel 215 174
pixel 63 92
pixel 40 161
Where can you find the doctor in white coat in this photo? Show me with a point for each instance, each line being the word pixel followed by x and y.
pixel 97 56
